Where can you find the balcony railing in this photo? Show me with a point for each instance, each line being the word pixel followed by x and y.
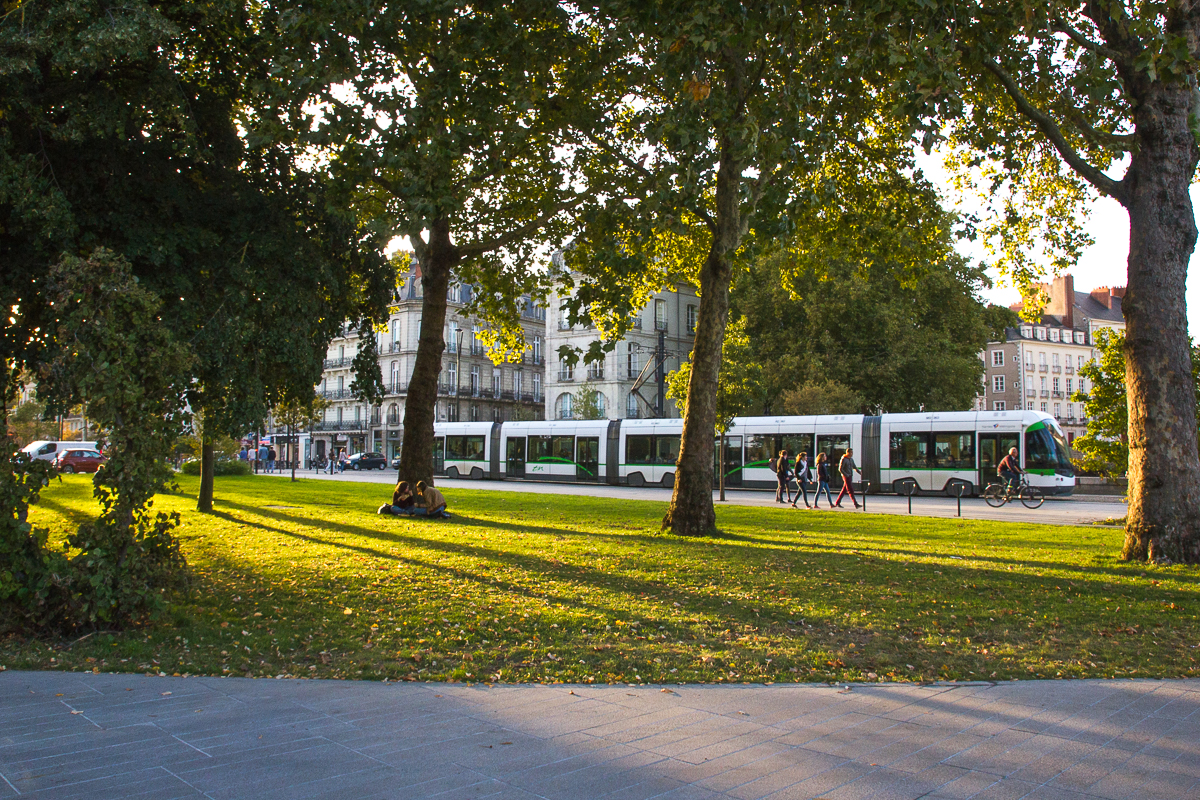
pixel 1043 367
pixel 1069 370
pixel 1045 392
pixel 595 375
pixel 660 325
pixel 1056 395
pixel 537 360
pixel 1029 366
pixel 331 363
pixel 393 347
pixel 336 394
pixel 566 375
pixel 341 426
pixel 1031 392
pixel 1057 369
pixel 477 349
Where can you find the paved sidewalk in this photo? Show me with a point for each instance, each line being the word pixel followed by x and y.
pixel 113 736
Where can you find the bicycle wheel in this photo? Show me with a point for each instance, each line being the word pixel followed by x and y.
pixel 1032 496
pixel 994 495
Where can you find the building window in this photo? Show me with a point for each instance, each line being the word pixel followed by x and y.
pixel 452 339
pixel 999 405
pixel 631 406
pixel 496 376
pixel 1080 363
pixel 357 412
pixel 998 384
pixel 1057 387
pixel 1070 382
pixel 1056 359
pixel 452 371
pixel 474 412
pixel 997 358
pixel 395 387
pixel 1028 360
pixel 691 319
pixel 537 385
pixel 1026 331
pixel 1054 334
pixel 564 316
pixel 631 361
pixel 474 380
pixel 1042 359
pixel 660 315
pixel 566 372
pixel 1043 408
pixel 1071 437
pixel 1078 337
pixel 537 349
pixel 339 414
pixel 393 416
pixel 395 330
pixel 517 381
pixel 563 406
pixel 1058 409
pixel 341 383
pixel 452 412
pixel 1040 333
pixel 342 352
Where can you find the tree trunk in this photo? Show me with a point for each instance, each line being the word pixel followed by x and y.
pixel 691 512
pixel 204 502
pixel 293 448
pixel 420 407
pixel 1164 472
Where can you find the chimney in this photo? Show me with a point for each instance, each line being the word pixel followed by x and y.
pixel 1062 300
pixel 1104 295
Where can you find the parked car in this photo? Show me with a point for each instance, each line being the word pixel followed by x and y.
pixel 44 450
pixel 396 462
pixel 367 461
pixel 76 460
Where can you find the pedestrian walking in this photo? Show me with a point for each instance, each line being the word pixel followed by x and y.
pixel 847 467
pixel 242 454
pixel 822 481
pixel 252 457
pixel 803 476
pixel 264 453
pixel 782 474
pixel 271 456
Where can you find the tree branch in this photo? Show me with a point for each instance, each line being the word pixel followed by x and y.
pixel 496 242
pixel 1062 26
pixel 1050 129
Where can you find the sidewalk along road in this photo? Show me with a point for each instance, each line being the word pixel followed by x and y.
pixel 1075 510
pixel 86 736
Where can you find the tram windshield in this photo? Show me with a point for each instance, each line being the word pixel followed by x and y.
pixel 1046 449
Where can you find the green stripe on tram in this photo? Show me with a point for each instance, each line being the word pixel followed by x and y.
pixel 557 460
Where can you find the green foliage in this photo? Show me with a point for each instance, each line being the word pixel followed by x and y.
pixel 998 319
pixel 588 402
pixel 822 397
pixel 896 345
pixel 739 384
pixel 32 577
pixel 116 354
pixel 221 467
pixel 27 423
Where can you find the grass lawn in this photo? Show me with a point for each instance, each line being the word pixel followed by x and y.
pixel 304 579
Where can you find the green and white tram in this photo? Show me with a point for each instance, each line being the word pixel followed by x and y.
pixel 935 452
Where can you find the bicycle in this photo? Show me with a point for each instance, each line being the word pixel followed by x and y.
pixel 997 494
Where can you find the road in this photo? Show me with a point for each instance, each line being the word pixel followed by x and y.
pixel 1083 509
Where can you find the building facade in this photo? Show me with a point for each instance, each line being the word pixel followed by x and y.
pixel 1038 365
pixel 470 387
pixel 630 381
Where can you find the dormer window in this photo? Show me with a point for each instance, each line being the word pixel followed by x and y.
pixel 1026 331
pixel 1040 333
pixel 1054 334
pixel 1079 337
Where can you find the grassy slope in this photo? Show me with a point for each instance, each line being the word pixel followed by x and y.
pixel 305 579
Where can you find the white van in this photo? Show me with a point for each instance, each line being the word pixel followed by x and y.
pixel 44 450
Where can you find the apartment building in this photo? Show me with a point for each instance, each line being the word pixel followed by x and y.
pixel 470 386
pixel 630 381
pixel 1037 366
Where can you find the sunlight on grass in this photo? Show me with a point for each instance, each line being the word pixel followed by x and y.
pixel 304 579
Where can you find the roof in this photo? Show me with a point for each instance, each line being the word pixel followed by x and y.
pixel 1092 308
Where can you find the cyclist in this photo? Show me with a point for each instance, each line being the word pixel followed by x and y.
pixel 1009 470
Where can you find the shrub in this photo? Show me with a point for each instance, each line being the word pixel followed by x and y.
pixel 221 467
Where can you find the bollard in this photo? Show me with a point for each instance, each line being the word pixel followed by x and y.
pixel 961 487
pixel 866 488
pixel 912 489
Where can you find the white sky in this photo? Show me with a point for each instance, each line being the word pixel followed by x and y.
pixel 1102 264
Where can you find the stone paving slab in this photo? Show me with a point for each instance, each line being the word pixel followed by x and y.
pixel 69 735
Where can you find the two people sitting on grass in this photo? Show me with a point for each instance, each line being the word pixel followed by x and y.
pixel 426 501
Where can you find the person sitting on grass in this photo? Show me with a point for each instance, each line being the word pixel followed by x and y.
pixel 434 503
pixel 402 500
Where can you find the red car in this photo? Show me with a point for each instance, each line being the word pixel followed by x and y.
pixel 69 461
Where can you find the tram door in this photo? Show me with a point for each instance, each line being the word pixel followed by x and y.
pixel 733 461
pixel 439 455
pixel 587 458
pixel 515 457
pixel 992 448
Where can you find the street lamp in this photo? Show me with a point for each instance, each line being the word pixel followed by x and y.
pixel 458 379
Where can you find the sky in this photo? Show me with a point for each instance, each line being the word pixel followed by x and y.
pixel 1102 264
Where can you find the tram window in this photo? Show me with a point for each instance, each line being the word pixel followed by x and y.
pixel 539 448
pixel 833 446
pixel 637 449
pixel 758 450
pixel 909 450
pixel 1047 450
pixel 468 448
pixel 563 449
pixel 953 451
pixel 666 449
pixel 796 443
